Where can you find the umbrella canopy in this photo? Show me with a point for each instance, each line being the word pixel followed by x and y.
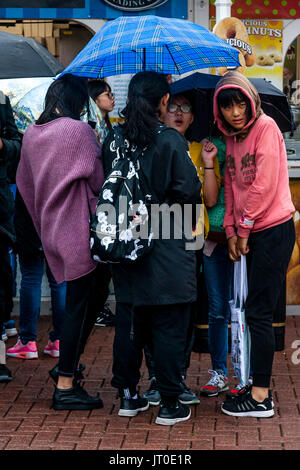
pixel 31 105
pixel 131 44
pixel 201 88
pixel 22 57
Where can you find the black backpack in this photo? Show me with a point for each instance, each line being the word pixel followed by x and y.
pixel 120 228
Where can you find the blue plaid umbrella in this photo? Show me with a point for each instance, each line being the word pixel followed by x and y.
pixel 131 44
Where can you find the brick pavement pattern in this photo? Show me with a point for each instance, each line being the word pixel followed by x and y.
pixel 28 423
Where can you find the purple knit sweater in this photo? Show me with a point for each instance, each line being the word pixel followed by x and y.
pixel 59 177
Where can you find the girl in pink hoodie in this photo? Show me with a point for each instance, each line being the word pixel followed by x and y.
pixel 258 223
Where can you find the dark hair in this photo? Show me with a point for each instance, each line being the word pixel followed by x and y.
pixel 233 95
pixel 141 112
pixel 188 95
pixel 96 87
pixel 66 97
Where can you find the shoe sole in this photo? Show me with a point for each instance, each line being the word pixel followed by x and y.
pixel 4 337
pixel 213 394
pixel 52 353
pixel 170 422
pixel 76 407
pixel 191 402
pixel 152 402
pixel 131 413
pixel 5 379
pixel 25 355
pixel 250 414
pixel 11 332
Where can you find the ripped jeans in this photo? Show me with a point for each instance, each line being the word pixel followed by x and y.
pixel 218 274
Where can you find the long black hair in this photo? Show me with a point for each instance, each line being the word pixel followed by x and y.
pixel 96 87
pixel 66 97
pixel 142 110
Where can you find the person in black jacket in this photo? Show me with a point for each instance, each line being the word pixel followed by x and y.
pixel 154 295
pixel 10 144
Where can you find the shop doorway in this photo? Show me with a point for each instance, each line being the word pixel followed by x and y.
pixel 63 38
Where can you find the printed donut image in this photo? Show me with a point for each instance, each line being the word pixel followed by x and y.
pixel 231 28
pixel 250 58
pixel 295 193
pixel 264 60
pixel 295 258
pixel 233 31
pixel 275 56
pixel 241 69
pixel 293 283
pixel 293 272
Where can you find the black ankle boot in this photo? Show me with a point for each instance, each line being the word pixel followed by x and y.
pixel 75 398
pixel 77 376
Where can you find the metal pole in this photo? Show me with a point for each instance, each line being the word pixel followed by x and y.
pixel 223 9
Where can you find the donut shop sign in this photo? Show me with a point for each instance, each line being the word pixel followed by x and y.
pixel 134 5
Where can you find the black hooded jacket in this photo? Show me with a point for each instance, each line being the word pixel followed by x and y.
pixel 167 275
pixel 9 159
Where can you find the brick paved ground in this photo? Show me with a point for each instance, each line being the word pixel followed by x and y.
pixel 28 423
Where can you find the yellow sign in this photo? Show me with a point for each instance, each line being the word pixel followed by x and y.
pixel 265 39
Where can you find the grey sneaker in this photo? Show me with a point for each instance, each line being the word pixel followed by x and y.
pixel 187 397
pixel 217 383
pixel 152 394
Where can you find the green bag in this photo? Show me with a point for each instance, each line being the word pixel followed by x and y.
pixel 217 212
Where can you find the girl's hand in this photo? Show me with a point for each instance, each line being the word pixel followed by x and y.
pixel 209 151
pixel 232 249
pixel 242 245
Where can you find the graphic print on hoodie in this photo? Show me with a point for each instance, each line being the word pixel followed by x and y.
pixel 257 193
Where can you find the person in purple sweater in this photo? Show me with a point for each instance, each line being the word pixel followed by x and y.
pixel 59 177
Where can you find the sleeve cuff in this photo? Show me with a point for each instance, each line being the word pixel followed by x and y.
pixel 243 232
pixel 230 232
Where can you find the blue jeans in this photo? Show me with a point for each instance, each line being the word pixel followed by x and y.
pixel 218 274
pixel 32 270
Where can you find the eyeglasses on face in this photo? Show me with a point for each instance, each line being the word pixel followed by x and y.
pixel 109 94
pixel 184 108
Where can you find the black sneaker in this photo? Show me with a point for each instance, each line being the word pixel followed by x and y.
pixel 187 397
pixel 75 398
pixel 245 405
pixel 77 377
pixel 5 374
pixel 132 406
pixel 152 394
pixel 170 414
pixel 106 317
pixel 239 389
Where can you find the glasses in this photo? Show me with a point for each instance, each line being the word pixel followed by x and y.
pixel 184 108
pixel 109 94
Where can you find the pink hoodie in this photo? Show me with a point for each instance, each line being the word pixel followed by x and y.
pixel 257 193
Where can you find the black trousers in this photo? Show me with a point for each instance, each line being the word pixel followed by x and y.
pixel 165 328
pixel 6 282
pixel 148 349
pixel 267 262
pixel 85 298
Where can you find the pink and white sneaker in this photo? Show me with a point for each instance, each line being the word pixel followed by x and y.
pixel 52 348
pixel 23 351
